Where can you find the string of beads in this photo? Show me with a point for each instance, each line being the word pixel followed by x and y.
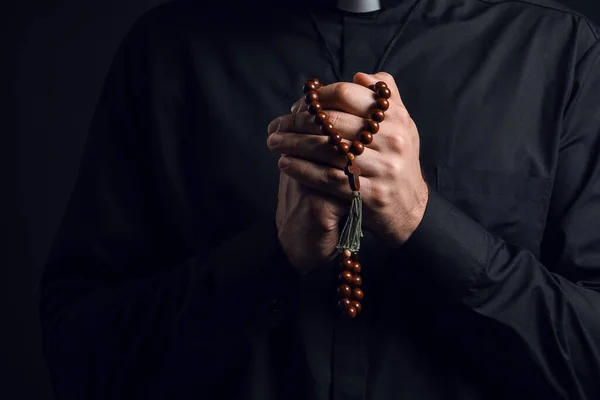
pixel 350 280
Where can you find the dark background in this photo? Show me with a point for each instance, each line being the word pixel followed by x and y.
pixel 55 55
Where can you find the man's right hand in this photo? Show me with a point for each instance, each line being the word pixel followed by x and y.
pixel 307 223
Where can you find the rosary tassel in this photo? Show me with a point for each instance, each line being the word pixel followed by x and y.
pixel 352 232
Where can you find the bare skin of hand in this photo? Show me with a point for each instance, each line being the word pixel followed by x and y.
pixel 392 186
pixel 307 224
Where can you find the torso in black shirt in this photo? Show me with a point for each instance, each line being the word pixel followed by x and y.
pixel 490 85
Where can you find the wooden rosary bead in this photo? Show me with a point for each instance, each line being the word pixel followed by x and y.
pixel 320 118
pixel 335 138
pixel 380 84
pixel 347 253
pixel 311 97
pixel 350 157
pixel 343 148
pixel 357 148
pixel 355 280
pixel 308 86
pixel 344 290
pixel 357 294
pixel 327 128
pixel 382 104
pixel 372 87
pixel 314 108
pixel 351 312
pixel 346 276
pixel 316 81
pixel 377 115
pixel 347 263
pixel 355 269
pixel 345 303
pixel 354 256
pixel 366 137
pixel 357 306
pixel 371 126
pixel 384 92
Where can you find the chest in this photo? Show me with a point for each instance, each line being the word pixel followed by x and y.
pixel 488 125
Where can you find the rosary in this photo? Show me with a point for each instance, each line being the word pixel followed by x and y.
pixel 350 281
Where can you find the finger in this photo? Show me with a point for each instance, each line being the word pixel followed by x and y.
pixel 347 97
pixel 367 80
pixel 317 149
pixel 308 147
pixel 349 126
pixel 317 176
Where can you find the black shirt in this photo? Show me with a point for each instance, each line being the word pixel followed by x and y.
pixel 167 279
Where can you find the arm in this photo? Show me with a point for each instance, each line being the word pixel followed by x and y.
pixel 531 323
pixel 124 281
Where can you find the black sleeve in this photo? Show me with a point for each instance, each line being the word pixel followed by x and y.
pixel 531 323
pixel 122 282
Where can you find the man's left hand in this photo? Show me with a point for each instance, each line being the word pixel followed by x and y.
pixel 392 186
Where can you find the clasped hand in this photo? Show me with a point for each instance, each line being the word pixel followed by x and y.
pixel 392 186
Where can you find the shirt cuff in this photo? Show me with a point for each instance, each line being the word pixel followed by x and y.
pixel 449 246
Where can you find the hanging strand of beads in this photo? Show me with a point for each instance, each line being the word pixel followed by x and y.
pixel 350 281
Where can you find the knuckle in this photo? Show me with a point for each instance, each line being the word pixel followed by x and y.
pixel 342 90
pixel 379 195
pixel 334 117
pixel 386 76
pixel 396 143
pixel 332 176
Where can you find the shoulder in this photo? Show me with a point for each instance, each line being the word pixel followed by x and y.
pixel 551 21
pixel 549 9
pixel 182 17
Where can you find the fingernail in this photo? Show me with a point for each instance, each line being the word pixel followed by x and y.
pixel 284 162
pixel 275 139
pixel 274 126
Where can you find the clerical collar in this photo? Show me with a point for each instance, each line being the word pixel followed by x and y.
pixel 359 6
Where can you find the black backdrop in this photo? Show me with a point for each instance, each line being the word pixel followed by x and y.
pixel 55 55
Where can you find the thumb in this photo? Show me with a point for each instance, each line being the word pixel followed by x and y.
pixel 367 80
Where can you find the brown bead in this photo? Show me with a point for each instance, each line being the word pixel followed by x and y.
pixel 314 108
pixel 372 87
pixel 346 276
pixel 356 305
pixel 366 137
pixel 357 147
pixel 378 115
pixel 316 81
pixel 351 312
pixel 320 117
pixel 308 86
pixel 327 128
pixel 346 263
pixel 311 97
pixel 350 157
pixel 355 280
pixel 357 294
pixel 371 126
pixel 380 84
pixel 335 138
pixel 354 256
pixel 382 104
pixel 384 92
pixel 347 253
pixel 344 290
pixel 343 148
pixel 345 303
pixel 355 269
